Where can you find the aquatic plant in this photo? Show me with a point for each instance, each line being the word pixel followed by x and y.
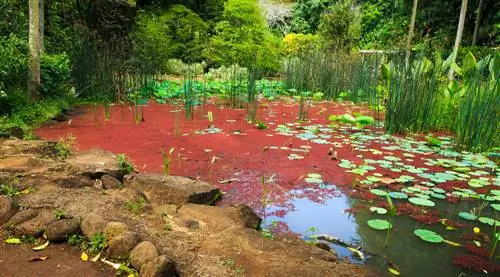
pixel 124 164
pixel 167 158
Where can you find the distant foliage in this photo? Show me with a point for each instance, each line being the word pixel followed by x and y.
pixel 242 38
pixel 306 15
pixel 224 73
pixel 300 44
pixel 179 68
pixel 340 25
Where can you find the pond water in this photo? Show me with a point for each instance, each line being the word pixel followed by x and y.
pixel 414 257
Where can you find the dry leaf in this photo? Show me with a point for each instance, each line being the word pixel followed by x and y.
pixel 84 257
pixel 13 241
pixel 41 247
pixel 38 259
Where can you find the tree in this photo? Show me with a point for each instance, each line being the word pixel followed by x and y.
pixel 340 25
pixel 34 42
pixel 306 15
pixel 411 31
pixel 479 15
pixel 458 38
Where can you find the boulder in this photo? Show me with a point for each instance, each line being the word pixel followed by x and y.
pixel 110 182
pixel 162 189
pixel 113 229
pixel 76 182
pixel 94 163
pixel 92 224
pixel 37 225
pixel 60 117
pixel 143 253
pixel 59 230
pixel 119 246
pixel 20 217
pixel 247 216
pixel 160 266
pixel 7 209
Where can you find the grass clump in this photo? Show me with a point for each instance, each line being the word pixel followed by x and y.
pixel 124 165
pixel 64 146
pixel 136 206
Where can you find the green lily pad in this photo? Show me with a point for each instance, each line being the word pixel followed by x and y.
pixel 379 224
pixel 496 206
pixel 378 192
pixel 462 169
pixel 438 190
pixel 421 202
pixel 313 180
pixel 378 210
pixel 489 221
pixel 478 183
pixel 373 179
pixel 495 192
pixel 467 216
pixel 414 189
pixel 428 184
pixel 423 196
pixel 314 175
pixel 438 195
pixel 428 236
pixel 397 195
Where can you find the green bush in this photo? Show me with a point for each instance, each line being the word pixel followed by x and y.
pixel 340 25
pixel 55 74
pixel 179 68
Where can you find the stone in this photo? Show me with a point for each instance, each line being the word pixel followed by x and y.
pixel 20 217
pixel 76 182
pixel 7 209
pixel 16 132
pixel 322 245
pixel 35 226
pixel 94 163
pixel 248 216
pixel 60 117
pixel 160 266
pixel 119 246
pixel 58 231
pixel 92 224
pixel 113 229
pixel 162 189
pixel 144 252
pixel 110 182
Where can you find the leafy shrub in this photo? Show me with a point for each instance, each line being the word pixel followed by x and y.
pixel 55 75
pixel 300 44
pixel 228 73
pixel 340 25
pixel 178 67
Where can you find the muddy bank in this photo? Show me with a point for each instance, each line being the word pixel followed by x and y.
pixel 173 214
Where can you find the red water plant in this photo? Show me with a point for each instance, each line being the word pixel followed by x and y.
pixel 476 250
pixel 364 195
pixel 475 263
pixel 425 218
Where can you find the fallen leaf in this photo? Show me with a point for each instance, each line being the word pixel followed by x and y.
pixel 41 247
pixel 13 241
pixel 84 257
pixel 96 258
pixel 38 259
pixel 452 243
pixel 394 271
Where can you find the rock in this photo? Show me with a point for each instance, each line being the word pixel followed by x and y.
pixel 143 253
pixel 113 229
pixel 161 189
pixel 59 230
pixel 110 182
pixel 94 163
pixel 20 217
pixel 192 224
pixel 248 216
pixel 322 245
pixel 119 246
pixel 60 117
pixel 92 224
pixel 76 182
pixel 16 132
pixel 160 266
pixel 37 225
pixel 7 209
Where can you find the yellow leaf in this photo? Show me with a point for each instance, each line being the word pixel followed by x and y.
pixel 84 257
pixel 41 247
pixel 13 241
pixel 451 228
pixel 394 271
pixel 452 243
pixel 94 259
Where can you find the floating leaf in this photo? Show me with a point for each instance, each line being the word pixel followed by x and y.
pixel 467 216
pixel 313 180
pixel 13 241
pixel 379 224
pixel 421 202
pixel 314 175
pixel 438 196
pixel 428 236
pixel 96 258
pixel 438 190
pixel 41 247
pixel 394 271
pixel 451 243
pixel 378 192
pixel 489 221
pixel 496 206
pixel 398 195
pixel 378 210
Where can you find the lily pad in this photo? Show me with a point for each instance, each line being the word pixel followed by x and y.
pixel 428 236
pixel 379 224
pixel 421 202
pixel 438 190
pixel 378 192
pixel 378 210
pixel 397 195
pixel 496 207
pixel 467 216
pixel 438 195
pixel 489 221
pixel 314 175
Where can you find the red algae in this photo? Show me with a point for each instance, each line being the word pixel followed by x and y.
pixel 476 263
pixel 476 250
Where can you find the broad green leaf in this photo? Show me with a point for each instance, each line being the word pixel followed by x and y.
pixel 466 215
pixel 428 236
pixel 379 224
pixel 421 202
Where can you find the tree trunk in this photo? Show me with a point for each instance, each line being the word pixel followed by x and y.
pixel 34 50
pixel 42 25
pixel 479 15
pixel 458 39
pixel 410 33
